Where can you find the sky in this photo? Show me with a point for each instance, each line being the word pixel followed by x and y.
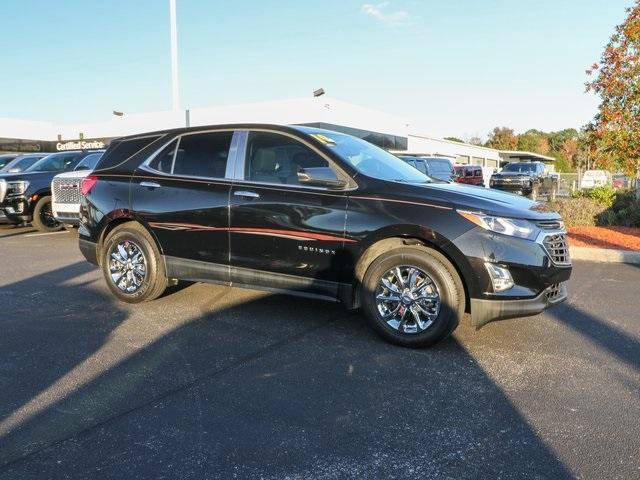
pixel 454 68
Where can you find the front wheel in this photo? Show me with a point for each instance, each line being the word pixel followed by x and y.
pixel 413 296
pixel 132 265
pixel 43 218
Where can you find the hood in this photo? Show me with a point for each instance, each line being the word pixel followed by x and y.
pixel 478 199
pixel 35 178
pixel 511 174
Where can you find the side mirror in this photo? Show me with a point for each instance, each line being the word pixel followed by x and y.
pixel 320 177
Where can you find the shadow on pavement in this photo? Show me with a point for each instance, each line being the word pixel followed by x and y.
pixel 620 344
pixel 272 387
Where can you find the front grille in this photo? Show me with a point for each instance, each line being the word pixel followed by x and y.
pixel 3 190
pixel 514 181
pixel 558 249
pixel 553 292
pixel 551 224
pixel 66 190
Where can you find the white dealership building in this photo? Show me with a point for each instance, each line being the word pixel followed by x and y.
pixel 385 130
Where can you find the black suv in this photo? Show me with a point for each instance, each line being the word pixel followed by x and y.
pixel 26 196
pixel 525 178
pixel 322 214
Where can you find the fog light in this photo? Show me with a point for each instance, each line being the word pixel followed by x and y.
pixel 500 277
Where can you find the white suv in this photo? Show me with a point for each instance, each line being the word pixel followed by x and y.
pixel 65 190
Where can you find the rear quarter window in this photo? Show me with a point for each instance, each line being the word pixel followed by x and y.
pixel 120 150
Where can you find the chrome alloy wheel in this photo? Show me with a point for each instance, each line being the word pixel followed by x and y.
pixel 407 299
pixel 127 266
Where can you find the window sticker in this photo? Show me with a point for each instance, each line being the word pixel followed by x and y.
pixel 323 138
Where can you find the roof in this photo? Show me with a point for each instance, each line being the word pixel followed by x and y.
pixel 230 126
pixel 525 156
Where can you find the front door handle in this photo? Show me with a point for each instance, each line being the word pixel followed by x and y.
pixel 246 193
pixel 150 184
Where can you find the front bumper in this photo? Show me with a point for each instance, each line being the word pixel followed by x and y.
pixel 66 213
pixel 485 311
pixel 525 188
pixel 16 209
pixel 534 268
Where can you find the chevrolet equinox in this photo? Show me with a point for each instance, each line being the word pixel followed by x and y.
pixel 321 214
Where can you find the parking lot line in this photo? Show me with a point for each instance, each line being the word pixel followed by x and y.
pixel 42 234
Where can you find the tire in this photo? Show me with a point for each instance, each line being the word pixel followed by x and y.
pixel 43 219
pixel 445 282
pixel 134 284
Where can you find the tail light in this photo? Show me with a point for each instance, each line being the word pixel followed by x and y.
pixel 87 184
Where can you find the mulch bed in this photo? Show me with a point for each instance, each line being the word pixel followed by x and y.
pixel 619 238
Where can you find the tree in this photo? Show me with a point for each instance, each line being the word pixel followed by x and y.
pixel 533 142
pixel 616 127
pixel 569 151
pixel 454 139
pixel 475 141
pixel 502 138
pixel 558 139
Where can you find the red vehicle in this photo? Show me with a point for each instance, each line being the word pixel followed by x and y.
pixel 469 174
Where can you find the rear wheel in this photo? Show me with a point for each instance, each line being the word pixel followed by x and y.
pixel 132 264
pixel 413 296
pixel 43 218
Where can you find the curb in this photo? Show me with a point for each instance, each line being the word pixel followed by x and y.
pixel 604 255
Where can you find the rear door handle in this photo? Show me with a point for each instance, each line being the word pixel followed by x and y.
pixel 246 193
pixel 150 184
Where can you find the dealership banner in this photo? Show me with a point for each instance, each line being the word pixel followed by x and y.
pixel 32 146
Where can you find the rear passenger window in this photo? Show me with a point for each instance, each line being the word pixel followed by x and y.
pixel 164 160
pixel 203 154
pixel 121 150
pixel 275 158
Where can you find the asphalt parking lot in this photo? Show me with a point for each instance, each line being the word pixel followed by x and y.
pixel 215 382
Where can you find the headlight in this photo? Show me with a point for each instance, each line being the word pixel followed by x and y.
pixel 17 188
pixel 507 226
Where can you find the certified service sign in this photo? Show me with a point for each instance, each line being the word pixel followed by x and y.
pixel 79 145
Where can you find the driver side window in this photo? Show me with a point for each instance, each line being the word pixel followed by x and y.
pixel 276 158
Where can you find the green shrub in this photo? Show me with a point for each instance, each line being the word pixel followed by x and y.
pixel 600 206
pixel 604 195
pixel 579 211
pixel 624 212
pixel 576 193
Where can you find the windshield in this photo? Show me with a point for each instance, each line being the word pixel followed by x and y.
pixel 520 167
pixel 89 162
pixel 369 159
pixel 6 159
pixel 21 164
pixel 441 167
pixel 55 162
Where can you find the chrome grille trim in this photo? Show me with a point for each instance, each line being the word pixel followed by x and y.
pixel 557 247
pixel 550 224
pixel 66 190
